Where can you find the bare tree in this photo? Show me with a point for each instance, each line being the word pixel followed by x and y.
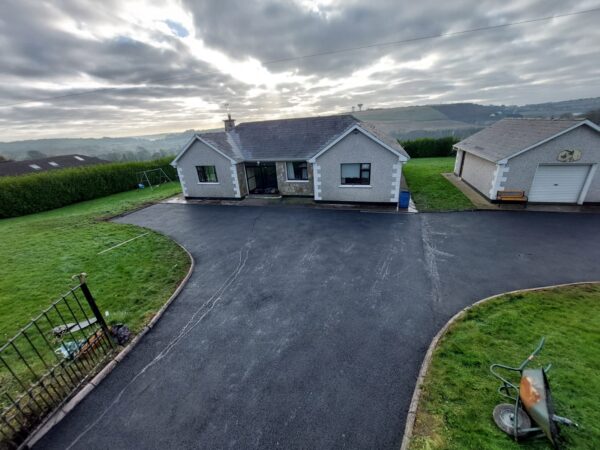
pixel 360 105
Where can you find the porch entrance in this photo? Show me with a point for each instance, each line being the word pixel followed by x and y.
pixel 262 178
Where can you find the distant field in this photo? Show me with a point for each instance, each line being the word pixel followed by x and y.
pixel 410 113
pixel 409 122
pixel 413 122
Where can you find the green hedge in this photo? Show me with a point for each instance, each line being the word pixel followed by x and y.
pixel 28 194
pixel 430 147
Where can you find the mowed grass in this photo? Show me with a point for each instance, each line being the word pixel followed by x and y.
pixel 429 189
pixel 459 393
pixel 40 253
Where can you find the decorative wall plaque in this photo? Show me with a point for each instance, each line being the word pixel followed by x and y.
pixel 569 155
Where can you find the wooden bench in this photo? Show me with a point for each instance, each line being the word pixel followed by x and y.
pixel 511 196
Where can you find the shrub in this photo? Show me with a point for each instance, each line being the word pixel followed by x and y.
pixel 28 194
pixel 430 147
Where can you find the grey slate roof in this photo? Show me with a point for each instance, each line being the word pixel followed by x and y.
pixel 509 136
pixel 225 142
pixel 287 139
pixel 12 168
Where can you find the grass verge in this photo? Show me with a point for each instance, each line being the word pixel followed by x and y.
pixel 41 252
pixel 459 393
pixel 430 190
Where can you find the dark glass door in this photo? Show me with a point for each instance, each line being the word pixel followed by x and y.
pixel 262 178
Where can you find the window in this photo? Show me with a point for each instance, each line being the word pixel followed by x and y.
pixel 356 173
pixel 79 158
pixel 35 166
pixel 207 174
pixel 53 164
pixel 297 171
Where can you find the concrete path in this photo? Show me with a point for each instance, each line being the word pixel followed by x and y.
pixel 305 328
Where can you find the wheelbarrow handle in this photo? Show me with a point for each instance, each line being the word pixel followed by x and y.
pixel 564 421
pixel 533 354
pixel 504 390
pixel 507 385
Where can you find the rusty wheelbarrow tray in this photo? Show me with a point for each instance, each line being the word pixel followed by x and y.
pixel 531 402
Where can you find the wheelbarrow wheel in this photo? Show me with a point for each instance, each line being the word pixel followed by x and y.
pixel 504 418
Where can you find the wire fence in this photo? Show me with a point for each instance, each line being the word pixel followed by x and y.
pixel 48 360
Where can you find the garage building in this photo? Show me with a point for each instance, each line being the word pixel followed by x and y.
pixel 550 160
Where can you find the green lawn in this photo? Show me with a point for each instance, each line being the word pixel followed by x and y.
pixel 429 189
pixel 41 252
pixel 39 255
pixel 459 394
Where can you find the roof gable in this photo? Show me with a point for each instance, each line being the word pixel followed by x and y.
pixel 214 141
pixel 508 138
pixel 368 132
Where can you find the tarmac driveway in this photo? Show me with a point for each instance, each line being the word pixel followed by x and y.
pixel 304 328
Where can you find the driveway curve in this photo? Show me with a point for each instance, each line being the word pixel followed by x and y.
pixel 305 328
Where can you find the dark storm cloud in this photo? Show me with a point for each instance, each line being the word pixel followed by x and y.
pixel 154 77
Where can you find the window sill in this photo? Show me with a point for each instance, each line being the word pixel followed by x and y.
pixel 297 181
pixel 355 186
pixel 208 182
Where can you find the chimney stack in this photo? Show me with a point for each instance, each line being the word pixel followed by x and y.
pixel 229 123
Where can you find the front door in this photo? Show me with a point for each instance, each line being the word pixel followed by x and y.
pixel 262 178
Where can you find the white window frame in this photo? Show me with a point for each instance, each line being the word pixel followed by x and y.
pixel 208 182
pixel 287 179
pixel 360 170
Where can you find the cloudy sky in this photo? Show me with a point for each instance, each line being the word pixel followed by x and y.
pixel 158 66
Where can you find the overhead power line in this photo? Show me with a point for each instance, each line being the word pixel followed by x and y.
pixel 314 55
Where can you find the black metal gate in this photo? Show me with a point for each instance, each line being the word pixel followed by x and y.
pixel 48 360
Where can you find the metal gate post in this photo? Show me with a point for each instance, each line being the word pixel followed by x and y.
pixel 90 299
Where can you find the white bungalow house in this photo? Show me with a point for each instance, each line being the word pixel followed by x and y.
pixel 333 158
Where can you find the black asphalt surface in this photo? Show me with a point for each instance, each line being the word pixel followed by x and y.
pixel 305 328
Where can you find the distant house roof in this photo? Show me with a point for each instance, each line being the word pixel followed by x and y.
pixel 11 168
pixel 509 137
pixel 286 139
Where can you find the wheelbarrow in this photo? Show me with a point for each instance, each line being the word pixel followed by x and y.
pixel 531 413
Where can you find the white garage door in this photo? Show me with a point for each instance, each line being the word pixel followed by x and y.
pixel 558 184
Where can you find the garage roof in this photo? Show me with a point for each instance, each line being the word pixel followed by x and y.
pixel 287 139
pixel 509 137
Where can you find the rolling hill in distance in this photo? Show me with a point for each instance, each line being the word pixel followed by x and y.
pixel 408 122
